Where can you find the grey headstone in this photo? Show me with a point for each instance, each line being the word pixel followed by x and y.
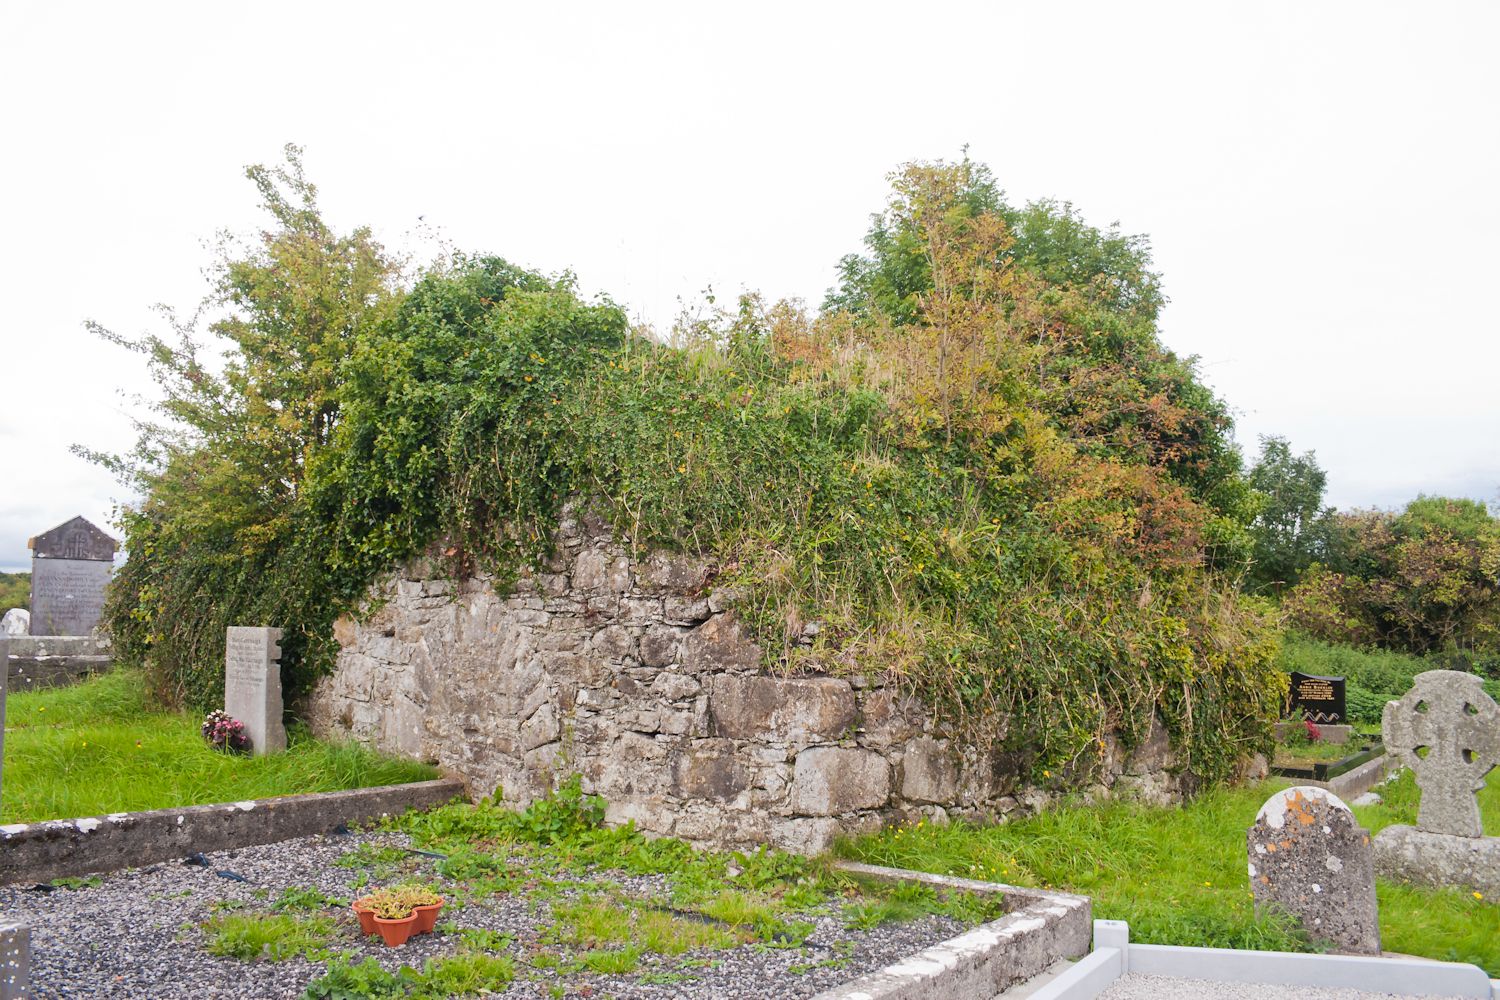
pixel 15 962
pixel 70 567
pixel 17 621
pixel 1447 730
pixel 252 685
pixel 1310 860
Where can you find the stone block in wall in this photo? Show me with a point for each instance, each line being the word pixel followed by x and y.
pixel 718 644
pixel 602 571
pixel 888 719
pixel 928 772
pixel 685 610
pixel 791 710
pixel 667 572
pixel 659 645
pixel 709 769
pixel 675 687
pixel 832 780
pixel 615 641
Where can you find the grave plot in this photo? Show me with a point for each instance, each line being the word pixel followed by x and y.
pixel 537 904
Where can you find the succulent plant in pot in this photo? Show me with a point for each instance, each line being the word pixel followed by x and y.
pixel 424 902
pixel 395 918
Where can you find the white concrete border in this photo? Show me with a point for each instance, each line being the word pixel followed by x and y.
pixel 1039 929
pixel 1114 956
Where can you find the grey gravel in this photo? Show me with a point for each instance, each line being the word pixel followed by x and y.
pixel 139 935
pixel 1137 987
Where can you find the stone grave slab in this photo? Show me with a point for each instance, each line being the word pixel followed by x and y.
pixel 252 685
pixel 1447 730
pixel 1310 860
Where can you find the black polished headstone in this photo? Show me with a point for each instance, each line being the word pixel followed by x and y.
pixel 1318 699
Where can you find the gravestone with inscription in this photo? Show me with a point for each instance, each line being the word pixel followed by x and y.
pixel 70 566
pixel 1318 699
pixel 252 685
pixel 1446 729
pixel 15 962
pixel 1310 860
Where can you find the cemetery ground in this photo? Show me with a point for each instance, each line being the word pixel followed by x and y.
pixel 541 903
pixel 97 748
pixel 1177 874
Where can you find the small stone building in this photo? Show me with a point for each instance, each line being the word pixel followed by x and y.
pixel 634 673
pixel 70 567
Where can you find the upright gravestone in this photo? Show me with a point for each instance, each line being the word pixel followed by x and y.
pixel 70 566
pixel 1317 699
pixel 252 685
pixel 1447 730
pixel 1310 860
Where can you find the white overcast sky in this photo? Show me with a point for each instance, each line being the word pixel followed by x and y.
pixel 1320 181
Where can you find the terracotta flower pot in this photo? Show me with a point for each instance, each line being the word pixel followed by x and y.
pixel 427 917
pixel 361 907
pixel 395 932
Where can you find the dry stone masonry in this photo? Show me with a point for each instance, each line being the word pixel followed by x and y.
pixel 1310 860
pixel 252 685
pixel 634 672
pixel 1447 730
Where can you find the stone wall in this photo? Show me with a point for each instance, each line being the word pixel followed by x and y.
pixel 635 674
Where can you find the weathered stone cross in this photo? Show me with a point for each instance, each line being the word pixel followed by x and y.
pixel 1447 730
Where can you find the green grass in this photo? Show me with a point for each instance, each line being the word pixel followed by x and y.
pixel 98 747
pixel 1178 874
pixel 252 937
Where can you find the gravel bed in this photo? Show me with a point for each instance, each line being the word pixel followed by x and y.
pixel 138 935
pixel 1137 987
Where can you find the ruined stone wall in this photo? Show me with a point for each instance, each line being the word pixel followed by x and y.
pixel 635 674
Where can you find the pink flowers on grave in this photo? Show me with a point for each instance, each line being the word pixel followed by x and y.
pixel 1314 734
pixel 225 733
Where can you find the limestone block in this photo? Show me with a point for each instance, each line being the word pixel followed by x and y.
pixel 615 641
pixel 1447 730
pixel 679 723
pixel 1153 754
pixel 888 719
pixel 639 610
pixel 639 720
pixel 678 573
pixel 928 772
pixel 1310 860
pixel 542 728
pixel 685 610
pixel 832 780
pixel 659 645
pixel 590 569
pixel 803 835
pixel 718 644
pixel 675 687
pixel 1408 854
pixel 709 770
pixel 792 710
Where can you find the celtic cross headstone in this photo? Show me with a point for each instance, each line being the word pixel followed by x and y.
pixel 1447 730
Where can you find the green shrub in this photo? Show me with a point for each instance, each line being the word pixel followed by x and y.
pixel 1023 528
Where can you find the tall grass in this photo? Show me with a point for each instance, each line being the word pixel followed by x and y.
pixel 97 748
pixel 1178 874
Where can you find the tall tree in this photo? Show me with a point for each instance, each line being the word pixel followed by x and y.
pixel 1291 530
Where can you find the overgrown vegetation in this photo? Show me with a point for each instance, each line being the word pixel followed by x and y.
pixel 978 469
pixel 97 748
pixel 15 591
pixel 1372 676
pixel 1424 580
pixel 1177 874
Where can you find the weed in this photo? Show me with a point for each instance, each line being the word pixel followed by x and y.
pixel 273 936
pixel 609 962
pixel 296 898
pixel 88 882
